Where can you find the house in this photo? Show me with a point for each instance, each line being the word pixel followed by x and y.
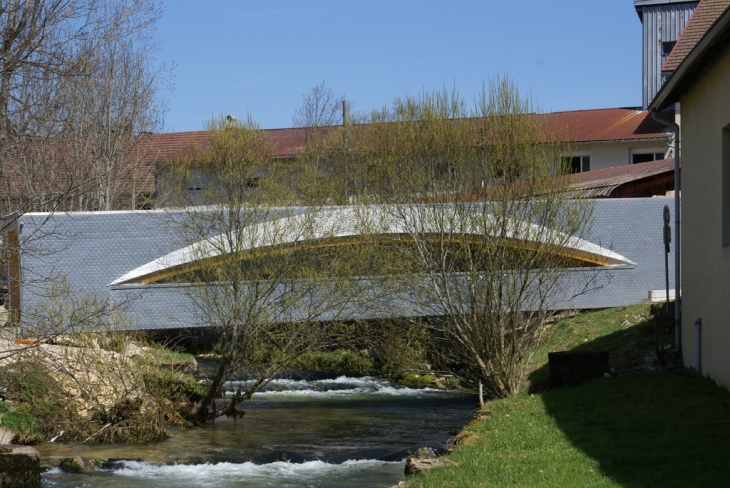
pixel 594 139
pixel 697 74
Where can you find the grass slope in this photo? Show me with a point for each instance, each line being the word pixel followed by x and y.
pixel 639 429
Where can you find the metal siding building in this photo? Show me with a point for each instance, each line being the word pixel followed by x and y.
pixel 93 249
pixel 662 24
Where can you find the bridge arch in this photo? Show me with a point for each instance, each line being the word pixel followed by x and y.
pixel 334 227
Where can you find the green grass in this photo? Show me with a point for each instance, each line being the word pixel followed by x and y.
pixel 20 421
pixel 640 429
pixel 626 332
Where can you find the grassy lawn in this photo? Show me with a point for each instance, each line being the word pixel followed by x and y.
pixel 639 429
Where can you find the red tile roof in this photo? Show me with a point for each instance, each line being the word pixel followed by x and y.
pixel 178 145
pixel 579 126
pixel 708 12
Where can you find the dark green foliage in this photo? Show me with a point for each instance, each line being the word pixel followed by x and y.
pixel 37 403
pixel 339 360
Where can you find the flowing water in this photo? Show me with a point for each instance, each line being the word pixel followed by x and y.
pixel 320 433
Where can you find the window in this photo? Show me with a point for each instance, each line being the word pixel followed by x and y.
pixel 577 164
pixel 646 155
pixel 254 182
pixel 667 47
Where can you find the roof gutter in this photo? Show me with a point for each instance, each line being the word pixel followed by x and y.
pixel 612 141
pixel 677 233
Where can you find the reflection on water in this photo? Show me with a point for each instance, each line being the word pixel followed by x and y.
pixel 326 433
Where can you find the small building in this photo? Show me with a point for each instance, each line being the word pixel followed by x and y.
pixel 652 179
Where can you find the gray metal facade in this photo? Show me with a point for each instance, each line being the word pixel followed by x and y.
pixel 662 21
pixel 93 249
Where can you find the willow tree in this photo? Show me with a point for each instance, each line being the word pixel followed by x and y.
pixel 479 228
pixel 252 232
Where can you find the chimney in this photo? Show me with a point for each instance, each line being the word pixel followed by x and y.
pixel 346 123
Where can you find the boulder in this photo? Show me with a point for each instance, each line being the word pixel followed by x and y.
pixel 79 464
pixel 20 467
pixel 7 436
pixel 183 366
pixel 424 459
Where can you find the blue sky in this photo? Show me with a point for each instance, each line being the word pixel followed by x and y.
pixel 236 56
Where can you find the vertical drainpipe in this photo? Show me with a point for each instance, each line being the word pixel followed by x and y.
pixel 677 234
pixel 698 347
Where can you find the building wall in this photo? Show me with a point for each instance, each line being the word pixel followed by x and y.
pixel 706 262
pixel 610 154
pixel 660 23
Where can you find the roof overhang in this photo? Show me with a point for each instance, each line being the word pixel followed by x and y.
pixel 639 4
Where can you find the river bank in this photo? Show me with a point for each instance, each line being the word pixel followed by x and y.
pixel 649 422
pixel 627 332
pixel 92 388
pixel 321 426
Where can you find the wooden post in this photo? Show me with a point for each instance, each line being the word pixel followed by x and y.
pixel 14 278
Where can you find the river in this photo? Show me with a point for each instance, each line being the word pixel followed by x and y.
pixel 319 433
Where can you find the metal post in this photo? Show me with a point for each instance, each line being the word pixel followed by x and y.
pixel 677 230
pixel 667 240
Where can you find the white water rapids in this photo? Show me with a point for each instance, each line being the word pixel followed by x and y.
pixel 322 433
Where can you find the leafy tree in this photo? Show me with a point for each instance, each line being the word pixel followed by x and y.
pixel 254 232
pixel 478 230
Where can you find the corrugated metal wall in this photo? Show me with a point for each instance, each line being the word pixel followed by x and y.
pixel 93 249
pixel 661 23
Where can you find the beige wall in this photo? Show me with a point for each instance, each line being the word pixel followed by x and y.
pixel 610 154
pixel 705 262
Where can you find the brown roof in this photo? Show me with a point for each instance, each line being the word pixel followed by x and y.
pixel 704 17
pixel 580 126
pixel 602 125
pixel 177 145
pixel 602 182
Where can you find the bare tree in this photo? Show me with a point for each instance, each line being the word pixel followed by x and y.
pixel 320 107
pixel 77 91
pixel 114 105
pixel 77 88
